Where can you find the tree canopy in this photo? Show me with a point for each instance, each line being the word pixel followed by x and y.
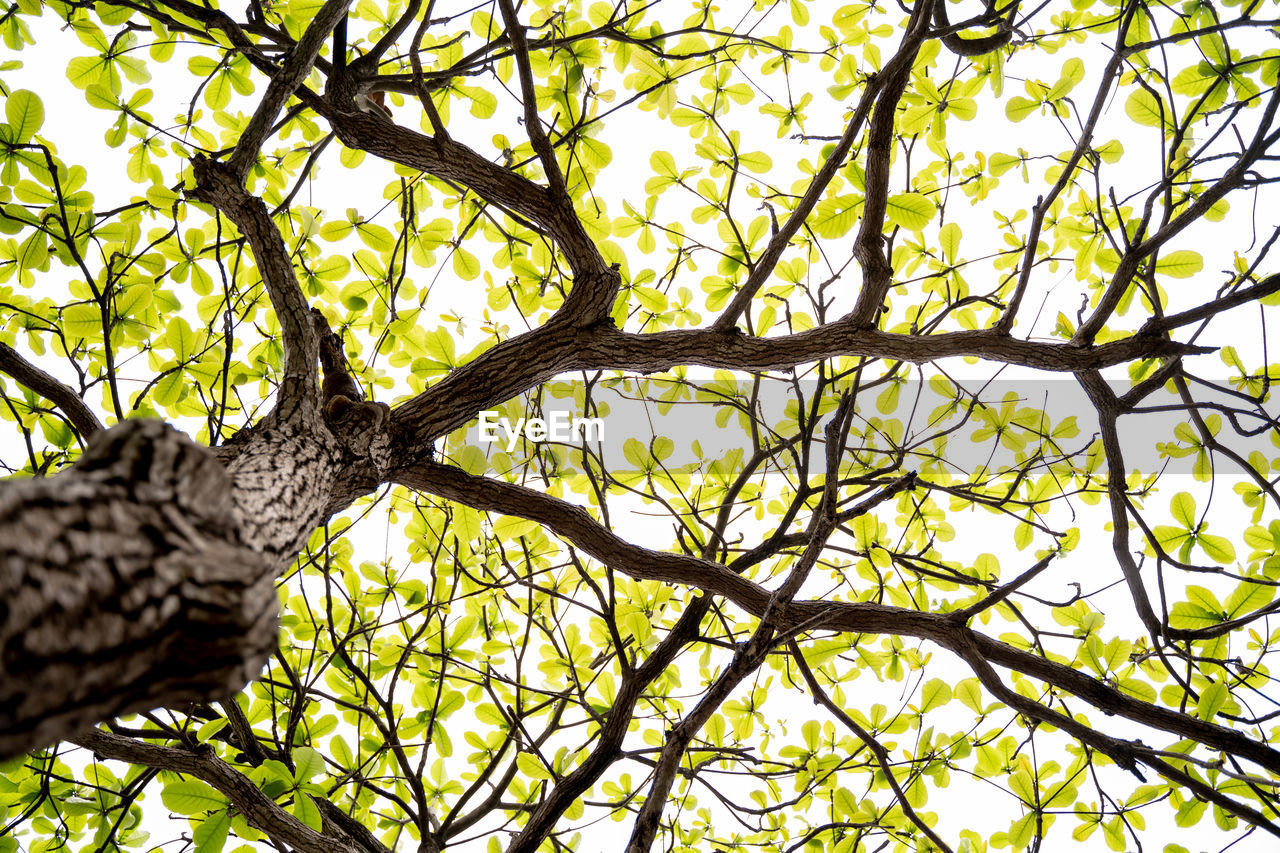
pixel 896 469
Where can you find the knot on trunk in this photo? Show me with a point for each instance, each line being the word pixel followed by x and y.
pixel 362 427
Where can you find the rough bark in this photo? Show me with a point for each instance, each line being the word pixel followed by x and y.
pixel 144 575
pixel 125 584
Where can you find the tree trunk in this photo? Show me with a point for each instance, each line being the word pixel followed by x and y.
pixel 144 575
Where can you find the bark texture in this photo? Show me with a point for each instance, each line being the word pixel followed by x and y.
pixel 124 580
pixel 144 575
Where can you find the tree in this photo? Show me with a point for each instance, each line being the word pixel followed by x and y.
pixel 907 584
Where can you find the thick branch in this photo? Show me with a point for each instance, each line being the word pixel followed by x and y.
pixel 595 283
pixel 1243 296
pixel 982 45
pixel 868 247
pixel 532 122
pixel 368 63
pixel 296 67
pixel 1104 402
pixel 217 184
pixel 201 763
pixel 520 363
pixel 67 400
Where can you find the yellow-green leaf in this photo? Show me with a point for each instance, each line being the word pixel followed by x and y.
pixel 190 796
pixel 25 114
pixel 910 210
pixel 465 264
pixel 1183 263
pixel 936 693
pixel 1145 108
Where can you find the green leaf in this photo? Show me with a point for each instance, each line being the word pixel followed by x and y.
pixel 1218 548
pixel 1145 108
pixel 1212 700
pixel 168 391
pixel 531 766
pixel 307 762
pixel 1195 79
pixel 305 810
pixel 82 321
pixel 969 691
pixel 1183 508
pixel 912 211
pixel 210 729
pixel 181 339
pixel 100 98
pixel 85 71
pixel 1022 831
pixel 1072 74
pixel 25 114
pixel 965 109
pixel 835 217
pixel 191 796
pixel 376 237
pixel 844 803
pixel 340 751
pixel 218 93
pixel 1248 597
pixel 1111 152
pixel 1184 263
pixel 935 694
pixel 1201 609
pixel 999 163
pixel 34 252
pixel 211 835
pixel 1018 108
pixel 949 239
pixel 465 264
pixel 756 161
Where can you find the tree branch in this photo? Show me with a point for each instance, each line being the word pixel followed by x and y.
pixel 125 586
pixel 1044 203
pixel 67 400
pixel 1194 212
pixel 532 122
pixel 520 363
pixel 1104 402
pixel 609 745
pixel 768 260
pixel 595 282
pixel 820 697
pixel 296 67
pixel 219 186
pixel 575 525
pixel 1243 296
pixel 262 812
pixel 1002 19
pixel 868 246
